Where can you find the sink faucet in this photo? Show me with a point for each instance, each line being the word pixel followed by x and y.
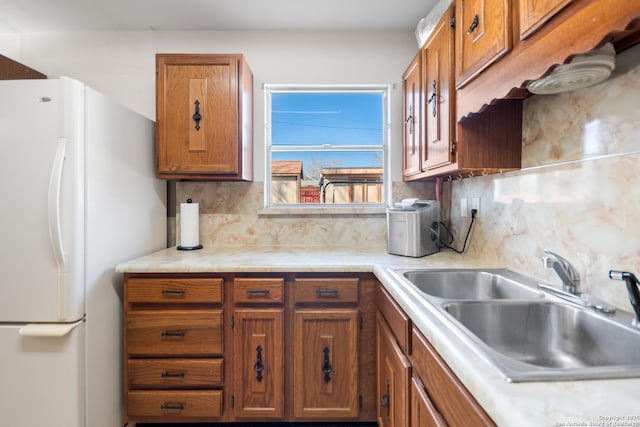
pixel 633 289
pixel 563 268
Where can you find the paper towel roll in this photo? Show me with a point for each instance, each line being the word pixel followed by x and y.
pixel 189 226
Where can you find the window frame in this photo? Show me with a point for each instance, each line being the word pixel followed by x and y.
pixel 329 208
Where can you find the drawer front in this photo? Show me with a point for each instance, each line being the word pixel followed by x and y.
pixel 174 290
pixel 175 373
pixel 330 290
pixel 175 332
pixel 175 404
pixel 395 317
pixel 256 290
pixel 448 394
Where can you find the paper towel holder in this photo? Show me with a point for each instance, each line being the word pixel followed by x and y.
pixel 189 248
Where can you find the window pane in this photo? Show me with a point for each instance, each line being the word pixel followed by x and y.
pixel 336 119
pixel 326 145
pixel 327 177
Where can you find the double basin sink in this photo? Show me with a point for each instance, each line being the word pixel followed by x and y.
pixel 528 334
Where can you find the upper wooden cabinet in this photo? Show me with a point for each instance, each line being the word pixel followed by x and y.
pixel 434 144
pixel 534 13
pixel 546 33
pixel 429 104
pixel 12 70
pixel 204 117
pixel 483 35
pixel 412 117
pixel 439 92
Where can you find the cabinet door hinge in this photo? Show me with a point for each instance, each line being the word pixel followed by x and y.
pixel 453 21
pixel 233 402
pixel 454 148
pixel 233 322
pixel 360 322
pixel 360 401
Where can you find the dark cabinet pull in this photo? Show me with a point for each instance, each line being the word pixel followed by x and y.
pixel 172 375
pixel 326 292
pixel 385 402
pixel 196 115
pixel 172 406
pixel 173 292
pixel 253 292
pixel 259 366
pixel 474 24
pixel 433 98
pixel 172 334
pixel 326 366
pixel 410 120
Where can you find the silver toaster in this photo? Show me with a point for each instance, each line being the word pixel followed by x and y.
pixel 413 228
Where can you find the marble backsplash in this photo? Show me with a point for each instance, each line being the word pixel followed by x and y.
pixel 577 194
pixel 230 215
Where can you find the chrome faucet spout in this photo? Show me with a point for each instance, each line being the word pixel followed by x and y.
pixel 568 274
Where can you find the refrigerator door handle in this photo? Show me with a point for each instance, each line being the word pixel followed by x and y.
pixel 55 184
pixel 48 329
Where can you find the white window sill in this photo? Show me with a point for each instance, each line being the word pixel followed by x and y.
pixel 312 210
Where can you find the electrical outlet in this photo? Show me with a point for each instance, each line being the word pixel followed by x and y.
pixel 475 204
pixel 464 210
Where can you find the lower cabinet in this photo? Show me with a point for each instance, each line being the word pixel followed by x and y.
pixel 325 364
pixel 415 386
pixel 249 347
pixel 174 349
pixel 258 374
pixel 423 413
pixel 393 378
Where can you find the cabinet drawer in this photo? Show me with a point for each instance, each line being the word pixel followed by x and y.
pixel 175 404
pixel 255 290
pixel 174 373
pixel 330 290
pixel 396 318
pixel 174 290
pixel 448 394
pixel 174 332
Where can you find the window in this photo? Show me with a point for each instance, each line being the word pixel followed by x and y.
pixel 326 146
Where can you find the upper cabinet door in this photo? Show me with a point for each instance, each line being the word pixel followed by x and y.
pixel 411 117
pixel 534 13
pixel 203 123
pixel 483 35
pixel 439 104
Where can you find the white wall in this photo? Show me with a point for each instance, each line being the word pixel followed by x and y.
pixel 122 64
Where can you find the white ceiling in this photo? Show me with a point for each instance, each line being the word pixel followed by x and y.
pixel 27 16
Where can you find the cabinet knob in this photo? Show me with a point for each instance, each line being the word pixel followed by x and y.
pixel 327 292
pixel 172 375
pixel 196 115
pixel 326 366
pixel 433 98
pixel 259 366
pixel 474 24
pixel 172 406
pixel 179 334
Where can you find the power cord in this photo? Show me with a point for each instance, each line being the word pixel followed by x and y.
pixel 474 212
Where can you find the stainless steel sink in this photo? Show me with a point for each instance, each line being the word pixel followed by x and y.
pixel 550 335
pixel 527 334
pixel 472 284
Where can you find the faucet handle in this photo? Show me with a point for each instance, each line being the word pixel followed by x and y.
pixel 547 262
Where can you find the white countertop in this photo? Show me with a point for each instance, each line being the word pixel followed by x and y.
pixel 557 403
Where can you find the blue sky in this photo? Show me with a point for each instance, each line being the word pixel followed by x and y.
pixel 339 119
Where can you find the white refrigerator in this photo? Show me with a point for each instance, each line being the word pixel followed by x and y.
pixel 78 195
